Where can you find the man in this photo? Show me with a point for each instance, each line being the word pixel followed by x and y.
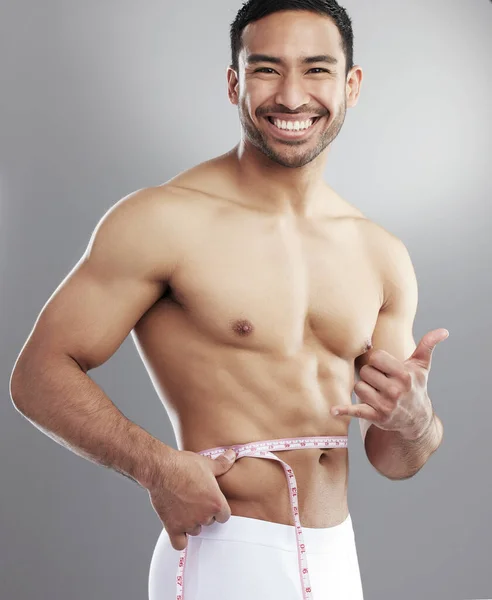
pixel 255 295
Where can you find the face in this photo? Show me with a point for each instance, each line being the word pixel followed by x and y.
pixel 291 90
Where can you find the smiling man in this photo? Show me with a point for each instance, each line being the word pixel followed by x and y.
pixel 266 85
pixel 256 296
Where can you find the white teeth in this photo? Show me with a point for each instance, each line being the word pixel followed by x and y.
pixel 293 125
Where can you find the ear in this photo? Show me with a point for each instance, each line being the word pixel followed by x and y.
pixel 354 83
pixel 232 86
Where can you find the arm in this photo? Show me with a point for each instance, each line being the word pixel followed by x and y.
pixel 392 454
pixel 119 277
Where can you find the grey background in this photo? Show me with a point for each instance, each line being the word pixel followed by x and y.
pixel 99 99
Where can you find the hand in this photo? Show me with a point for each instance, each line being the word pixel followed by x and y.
pixel 188 495
pixel 394 393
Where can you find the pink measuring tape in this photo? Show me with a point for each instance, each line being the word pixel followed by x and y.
pixel 264 450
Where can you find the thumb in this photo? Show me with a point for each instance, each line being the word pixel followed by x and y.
pixel 224 462
pixel 423 352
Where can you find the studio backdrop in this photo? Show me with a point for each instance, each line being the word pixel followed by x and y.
pixel 99 99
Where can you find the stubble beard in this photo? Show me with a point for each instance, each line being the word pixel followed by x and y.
pixel 290 157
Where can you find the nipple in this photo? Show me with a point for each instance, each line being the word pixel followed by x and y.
pixel 242 327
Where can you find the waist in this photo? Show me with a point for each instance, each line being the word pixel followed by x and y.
pixel 257 488
pixel 262 448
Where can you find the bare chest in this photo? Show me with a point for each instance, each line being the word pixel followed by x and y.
pixel 276 286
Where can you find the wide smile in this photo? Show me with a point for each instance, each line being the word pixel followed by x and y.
pixel 295 131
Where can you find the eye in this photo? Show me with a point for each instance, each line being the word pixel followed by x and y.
pixel 319 70
pixel 264 69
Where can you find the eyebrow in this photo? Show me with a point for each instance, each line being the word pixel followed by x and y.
pixel 308 60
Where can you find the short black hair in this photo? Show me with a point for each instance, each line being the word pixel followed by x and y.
pixel 254 10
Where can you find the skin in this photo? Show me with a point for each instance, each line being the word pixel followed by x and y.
pixel 252 290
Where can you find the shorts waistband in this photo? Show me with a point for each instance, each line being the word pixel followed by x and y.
pixel 279 535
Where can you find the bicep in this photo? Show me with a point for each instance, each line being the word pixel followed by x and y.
pixel 393 331
pixel 120 276
pixel 89 315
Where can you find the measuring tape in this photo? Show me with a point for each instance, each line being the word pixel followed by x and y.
pixel 264 450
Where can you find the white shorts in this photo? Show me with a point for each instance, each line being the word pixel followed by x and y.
pixel 251 559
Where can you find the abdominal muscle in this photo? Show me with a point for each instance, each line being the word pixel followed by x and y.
pixel 219 396
pixel 257 487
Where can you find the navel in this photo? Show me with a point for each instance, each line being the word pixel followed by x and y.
pixel 242 327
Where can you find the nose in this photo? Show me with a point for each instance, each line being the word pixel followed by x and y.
pixel 291 93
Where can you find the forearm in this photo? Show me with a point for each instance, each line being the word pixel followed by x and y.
pixel 396 457
pixel 67 405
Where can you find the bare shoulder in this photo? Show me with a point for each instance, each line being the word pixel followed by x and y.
pixel 206 186
pixel 163 220
pixel 145 215
pixel 375 238
pixel 186 191
pixel 392 260
pixel 335 206
pixel 387 253
pixel 159 204
pixel 161 214
pixel 386 245
pixel 379 239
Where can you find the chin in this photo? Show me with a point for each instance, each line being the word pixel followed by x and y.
pixel 291 162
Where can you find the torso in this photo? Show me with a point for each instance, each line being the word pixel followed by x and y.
pixel 256 338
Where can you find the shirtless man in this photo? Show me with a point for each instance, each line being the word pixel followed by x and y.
pixel 256 296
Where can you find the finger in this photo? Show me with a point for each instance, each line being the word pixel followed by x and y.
pixel 365 410
pixel 388 387
pixel 224 514
pixel 387 364
pixel 210 521
pixel 221 464
pixel 195 530
pixel 374 377
pixel 361 411
pixel 179 541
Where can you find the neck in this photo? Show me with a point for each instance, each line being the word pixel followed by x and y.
pixel 279 189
